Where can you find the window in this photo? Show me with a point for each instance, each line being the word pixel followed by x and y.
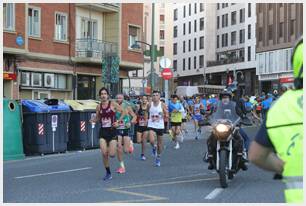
pixel 249 31
pixel 25 79
pixel 218 6
pixel 9 16
pixel 34 22
pixel 133 35
pixel 190 27
pixel 226 40
pixel 175 14
pixel 175 31
pixel 184 29
pixel 233 19
pixel 184 15
pixel 189 63
pixel 270 27
pixel 292 26
pixel 60 81
pixel 226 20
pixel 201 61
pixel 89 29
pixel 202 42
pixel 162 50
pixel 195 62
pixel 218 41
pixel 61 27
pixel 195 25
pixel 260 34
pixel 195 8
pixel 241 53
pixel 189 45
pixel 223 5
pixel 249 9
pixel 222 44
pixel 223 20
pixel 184 64
pixel 201 24
pixel 174 65
pixel 241 36
pixel 249 53
pixel 281 29
pixel 242 15
pixel 233 38
pixel 36 79
pixel 195 44
pixel 218 22
pixel 189 9
pixel 175 48
pixel 162 19
pixel 201 7
pixel 184 46
pixel 162 34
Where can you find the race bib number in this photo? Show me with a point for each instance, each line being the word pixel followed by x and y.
pixel 142 122
pixel 106 122
pixel 121 125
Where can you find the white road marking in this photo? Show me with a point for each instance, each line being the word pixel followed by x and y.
pixel 51 173
pixel 214 193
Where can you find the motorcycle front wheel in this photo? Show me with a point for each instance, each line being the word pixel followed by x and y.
pixel 222 168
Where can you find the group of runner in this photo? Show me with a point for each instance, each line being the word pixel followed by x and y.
pixel 117 117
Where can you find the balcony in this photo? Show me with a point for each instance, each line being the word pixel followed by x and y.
pixel 102 7
pixel 92 50
pixel 225 61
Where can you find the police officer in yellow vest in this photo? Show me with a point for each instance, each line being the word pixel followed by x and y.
pixel 278 145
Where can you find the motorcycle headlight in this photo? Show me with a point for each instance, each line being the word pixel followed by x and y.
pixel 222 132
pixel 222 128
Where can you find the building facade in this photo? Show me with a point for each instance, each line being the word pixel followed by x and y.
pixel 232 57
pixel 188 43
pixel 56 50
pixel 278 28
pixel 139 81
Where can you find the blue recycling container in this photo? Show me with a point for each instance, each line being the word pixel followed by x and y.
pixel 34 106
pixel 45 126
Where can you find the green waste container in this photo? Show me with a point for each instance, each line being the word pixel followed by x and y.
pixel 12 131
pixel 82 134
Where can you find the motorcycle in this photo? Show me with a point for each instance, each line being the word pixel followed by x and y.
pixel 227 156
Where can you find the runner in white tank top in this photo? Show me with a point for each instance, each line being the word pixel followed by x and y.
pixel 157 112
pixel 156 118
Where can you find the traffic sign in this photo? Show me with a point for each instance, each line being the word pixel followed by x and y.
pixel 54 120
pixel 165 62
pixel 167 74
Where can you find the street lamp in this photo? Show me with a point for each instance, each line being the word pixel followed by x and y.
pixel 137 46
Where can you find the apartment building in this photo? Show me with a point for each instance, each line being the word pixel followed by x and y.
pixel 188 43
pixel 139 81
pixel 232 57
pixel 58 50
pixel 279 25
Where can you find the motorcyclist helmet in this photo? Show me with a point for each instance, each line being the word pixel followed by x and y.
pixel 297 63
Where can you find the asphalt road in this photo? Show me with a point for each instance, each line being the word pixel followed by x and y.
pixel 182 177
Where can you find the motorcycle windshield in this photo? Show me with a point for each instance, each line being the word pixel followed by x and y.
pixel 225 112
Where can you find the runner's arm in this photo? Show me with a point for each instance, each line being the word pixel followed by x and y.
pixel 165 111
pixel 118 108
pixel 97 117
pixel 131 112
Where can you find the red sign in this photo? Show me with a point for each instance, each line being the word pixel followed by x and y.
pixel 9 76
pixel 167 74
pixel 286 80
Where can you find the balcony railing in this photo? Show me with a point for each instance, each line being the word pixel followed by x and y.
pixel 93 48
pixel 224 61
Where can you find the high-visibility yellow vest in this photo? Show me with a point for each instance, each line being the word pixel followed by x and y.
pixel 285 129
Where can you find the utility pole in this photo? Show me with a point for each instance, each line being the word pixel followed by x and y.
pixel 152 52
